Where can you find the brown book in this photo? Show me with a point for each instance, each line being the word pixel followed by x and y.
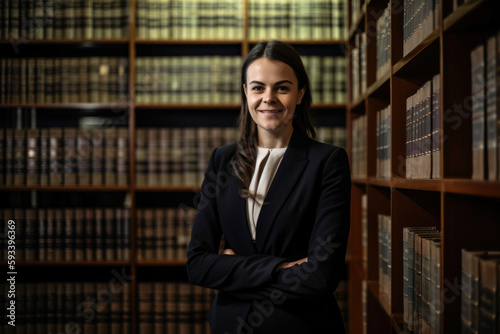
pixel 122 156
pixel 148 234
pixel 164 154
pixel 93 76
pixel 49 80
pixel 33 157
pixel 140 234
pixel 83 79
pixel 9 157
pixel 30 81
pixel 190 153
pixel 79 223
pixel 109 234
pixel 31 235
pixel 83 156
pixel 89 234
pixel 159 301
pixel 110 154
pixel 478 113
pixel 176 157
pixel 50 225
pixel 152 157
pixel 104 79
pixel 58 235
pixel 170 233
pixel 97 164
pixel 44 154
pixel 41 249
pixel 125 234
pixel 171 306
pixel 159 234
pixel 141 157
pixel 74 80
pixel 70 157
pixel 99 236
pixel 69 234
pixel 19 157
pixel 40 81
pixel 118 233
pixel 56 156
pixel 145 307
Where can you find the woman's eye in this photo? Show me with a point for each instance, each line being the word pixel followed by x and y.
pixel 257 88
pixel 283 89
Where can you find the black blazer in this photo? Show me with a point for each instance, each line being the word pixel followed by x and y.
pixel 306 215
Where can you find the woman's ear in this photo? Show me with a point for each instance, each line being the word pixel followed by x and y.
pixel 300 95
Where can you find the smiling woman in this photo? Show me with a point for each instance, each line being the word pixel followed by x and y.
pixel 282 201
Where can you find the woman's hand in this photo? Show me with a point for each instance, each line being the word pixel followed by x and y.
pixel 284 265
pixel 228 251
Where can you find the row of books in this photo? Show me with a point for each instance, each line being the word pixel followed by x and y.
pixel 383 133
pixel 480 291
pixel 420 19
pixel 358 66
pixel 68 234
pixel 164 233
pixel 60 307
pixel 423 132
pixel 188 79
pixel 422 279
pixel 63 80
pixel 384 254
pixel 176 156
pixel 297 20
pixel 383 37
pixel 358 149
pixel 485 75
pixel 173 307
pixel 328 78
pixel 189 19
pixel 333 135
pixel 64 156
pixel 51 19
pixel 356 6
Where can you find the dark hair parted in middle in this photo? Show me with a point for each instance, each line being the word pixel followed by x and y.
pixel 244 160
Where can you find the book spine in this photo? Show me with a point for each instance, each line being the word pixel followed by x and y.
pixel 19 157
pixel 478 113
pixel 152 157
pixel 99 237
pixel 110 155
pixel 122 156
pixel 30 237
pixel 79 246
pixel 41 249
pixel 160 235
pixel 69 235
pixel 89 235
pixel 32 157
pixel 110 225
pixel 97 164
pixel 70 157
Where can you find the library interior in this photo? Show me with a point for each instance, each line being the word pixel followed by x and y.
pixel 110 111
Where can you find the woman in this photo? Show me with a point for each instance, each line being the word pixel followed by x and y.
pixel 282 201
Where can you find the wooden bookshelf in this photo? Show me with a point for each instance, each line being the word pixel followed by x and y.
pixel 132 115
pixel 465 211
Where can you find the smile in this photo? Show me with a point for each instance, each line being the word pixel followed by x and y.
pixel 270 111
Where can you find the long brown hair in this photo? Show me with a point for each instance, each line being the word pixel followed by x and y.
pixel 244 159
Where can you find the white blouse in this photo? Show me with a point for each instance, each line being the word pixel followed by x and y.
pixel 266 165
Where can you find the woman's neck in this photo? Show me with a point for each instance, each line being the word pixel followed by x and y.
pixel 268 140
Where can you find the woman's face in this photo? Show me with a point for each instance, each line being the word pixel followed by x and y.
pixel 272 93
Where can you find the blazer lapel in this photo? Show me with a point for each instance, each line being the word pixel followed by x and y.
pixel 289 172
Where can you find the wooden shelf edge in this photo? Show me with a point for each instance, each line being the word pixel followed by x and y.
pixel 428 185
pixel 461 13
pixel 357 103
pixel 167 188
pixel 68 41
pixel 83 105
pixel 65 188
pixel 359 181
pixel 71 263
pixel 188 106
pixel 416 51
pixel 173 263
pixel 189 41
pixel 473 187
pixel 374 87
pixel 374 181
pixel 305 41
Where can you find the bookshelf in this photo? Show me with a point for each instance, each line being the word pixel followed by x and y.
pixel 464 210
pixel 126 111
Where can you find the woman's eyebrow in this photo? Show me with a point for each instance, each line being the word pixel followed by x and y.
pixel 276 84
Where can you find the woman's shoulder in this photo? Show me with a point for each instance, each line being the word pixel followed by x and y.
pixel 316 147
pixel 224 153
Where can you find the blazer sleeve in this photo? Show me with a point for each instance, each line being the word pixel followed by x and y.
pixel 327 245
pixel 205 267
